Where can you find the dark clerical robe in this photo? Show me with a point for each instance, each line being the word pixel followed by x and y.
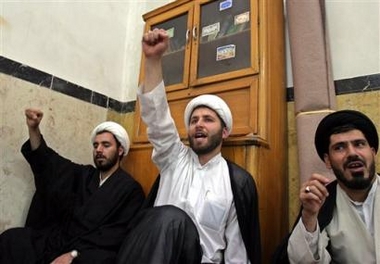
pixel 70 211
pixel 149 240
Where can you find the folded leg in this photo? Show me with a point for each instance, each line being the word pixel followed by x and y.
pixel 162 235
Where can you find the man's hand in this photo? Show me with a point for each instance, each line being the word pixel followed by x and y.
pixel 33 120
pixel 313 194
pixel 33 117
pixel 63 259
pixel 154 43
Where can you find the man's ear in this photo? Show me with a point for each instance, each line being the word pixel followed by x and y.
pixel 326 158
pixel 225 133
pixel 121 151
pixel 373 151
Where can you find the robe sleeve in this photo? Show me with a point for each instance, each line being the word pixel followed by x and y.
pixel 53 185
pixel 299 247
pixel 162 132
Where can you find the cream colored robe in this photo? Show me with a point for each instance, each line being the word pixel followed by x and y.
pixel 351 242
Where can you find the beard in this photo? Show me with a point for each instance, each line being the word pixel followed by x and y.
pixel 106 163
pixel 214 141
pixel 358 181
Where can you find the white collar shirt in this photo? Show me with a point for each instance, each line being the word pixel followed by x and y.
pixel 203 191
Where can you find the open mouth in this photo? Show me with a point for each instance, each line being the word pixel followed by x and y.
pixel 355 166
pixel 200 135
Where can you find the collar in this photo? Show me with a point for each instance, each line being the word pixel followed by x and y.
pixel 213 160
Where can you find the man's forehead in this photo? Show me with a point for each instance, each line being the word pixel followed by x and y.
pixel 203 110
pixel 354 134
pixel 105 136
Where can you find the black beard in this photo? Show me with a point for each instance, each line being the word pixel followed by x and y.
pixel 106 164
pixel 215 141
pixel 358 182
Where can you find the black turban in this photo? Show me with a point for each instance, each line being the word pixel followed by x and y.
pixel 340 118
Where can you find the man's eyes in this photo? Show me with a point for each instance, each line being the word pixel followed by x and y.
pixel 105 145
pixel 361 143
pixel 339 147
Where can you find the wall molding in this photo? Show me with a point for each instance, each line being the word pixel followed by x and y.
pixel 21 71
pixel 46 80
pixel 353 85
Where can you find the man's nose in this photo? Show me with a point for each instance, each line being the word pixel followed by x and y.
pixel 199 123
pixel 99 148
pixel 351 149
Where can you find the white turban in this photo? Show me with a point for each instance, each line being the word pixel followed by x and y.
pixel 213 102
pixel 117 130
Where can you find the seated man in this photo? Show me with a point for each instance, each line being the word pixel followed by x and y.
pixel 215 198
pixel 338 222
pixel 79 213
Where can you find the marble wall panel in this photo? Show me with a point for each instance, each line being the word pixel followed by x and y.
pixel 66 126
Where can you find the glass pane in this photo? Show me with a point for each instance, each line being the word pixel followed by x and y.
pixel 174 57
pixel 225 43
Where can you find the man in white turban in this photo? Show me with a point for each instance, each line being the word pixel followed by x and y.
pixel 118 132
pixel 213 102
pixel 79 213
pixel 219 197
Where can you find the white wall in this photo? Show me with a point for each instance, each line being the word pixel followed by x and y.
pixel 354 28
pixel 95 44
pixel 354 32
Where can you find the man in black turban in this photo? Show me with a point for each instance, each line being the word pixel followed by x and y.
pixel 332 124
pixel 337 220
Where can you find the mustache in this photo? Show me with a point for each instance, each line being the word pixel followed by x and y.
pixel 98 156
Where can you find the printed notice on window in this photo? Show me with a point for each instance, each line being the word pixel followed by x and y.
pixel 170 32
pixel 241 18
pixel 212 29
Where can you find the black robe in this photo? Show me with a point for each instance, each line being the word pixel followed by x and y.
pixel 70 211
pixel 247 208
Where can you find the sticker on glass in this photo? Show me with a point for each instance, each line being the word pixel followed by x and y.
pixel 225 5
pixel 225 52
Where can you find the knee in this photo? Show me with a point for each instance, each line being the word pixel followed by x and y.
pixel 170 212
pixel 12 232
pixel 11 235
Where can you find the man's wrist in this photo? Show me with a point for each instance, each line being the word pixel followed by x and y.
pixel 310 222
